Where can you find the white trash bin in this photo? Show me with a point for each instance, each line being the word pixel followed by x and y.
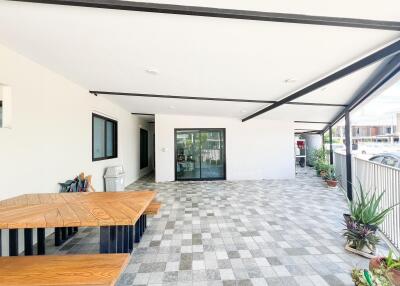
pixel 114 178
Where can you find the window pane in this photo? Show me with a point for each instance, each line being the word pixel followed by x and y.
pixel 110 138
pixel 98 138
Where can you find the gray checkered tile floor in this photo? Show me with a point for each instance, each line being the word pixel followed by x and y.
pixel 266 232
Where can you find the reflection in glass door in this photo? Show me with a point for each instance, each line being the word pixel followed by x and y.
pixel 199 154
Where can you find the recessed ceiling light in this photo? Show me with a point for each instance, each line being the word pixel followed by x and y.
pixel 290 80
pixel 243 111
pixel 172 107
pixel 152 71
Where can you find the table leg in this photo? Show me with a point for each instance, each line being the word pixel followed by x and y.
pixel 41 241
pixel 75 229
pixel 126 239
pixel 70 231
pixel 120 239
pixel 108 239
pixel 64 235
pixel 104 239
pixel 131 240
pixel 57 236
pixel 141 225
pixel 145 221
pixel 113 239
pixel 137 231
pixel 28 241
pixel 13 242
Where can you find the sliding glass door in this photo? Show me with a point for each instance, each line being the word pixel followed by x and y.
pixel 200 154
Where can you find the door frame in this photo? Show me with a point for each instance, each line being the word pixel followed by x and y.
pixel 224 154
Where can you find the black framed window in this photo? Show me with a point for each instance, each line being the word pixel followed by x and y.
pixel 104 138
pixel 144 148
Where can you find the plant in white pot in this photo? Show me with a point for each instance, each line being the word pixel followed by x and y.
pixel 366 214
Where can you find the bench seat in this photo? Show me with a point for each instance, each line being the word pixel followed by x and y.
pixel 153 208
pixel 92 269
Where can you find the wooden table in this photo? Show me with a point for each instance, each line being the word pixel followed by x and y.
pixel 114 212
pixel 91 269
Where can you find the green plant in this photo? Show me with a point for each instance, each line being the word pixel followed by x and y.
pixel 363 277
pixel 392 263
pixel 331 174
pixel 316 156
pixel 365 207
pixel 359 236
pixel 324 167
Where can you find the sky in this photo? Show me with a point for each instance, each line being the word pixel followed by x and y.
pixel 381 109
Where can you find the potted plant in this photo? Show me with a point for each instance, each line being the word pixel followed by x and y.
pixel 389 266
pixel 331 178
pixel 324 169
pixel 363 221
pixel 363 277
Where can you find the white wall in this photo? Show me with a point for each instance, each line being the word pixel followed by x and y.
pixel 256 149
pixel 50 139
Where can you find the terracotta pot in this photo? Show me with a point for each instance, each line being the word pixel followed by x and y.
pixel 331 183
pixel 393 275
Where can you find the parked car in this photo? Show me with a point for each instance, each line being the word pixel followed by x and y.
pixel 388 159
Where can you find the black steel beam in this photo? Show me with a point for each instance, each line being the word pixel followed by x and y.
pixel 96 92
pixel 349 179
pixel 134 113
pixel 226 13
pixel 391 49
pixel 311 122
pixel 386 73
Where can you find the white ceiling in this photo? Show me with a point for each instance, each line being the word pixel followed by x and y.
pixel 111 50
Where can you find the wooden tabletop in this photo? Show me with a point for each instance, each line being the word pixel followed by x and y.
pixel 92 269
pixel 74 209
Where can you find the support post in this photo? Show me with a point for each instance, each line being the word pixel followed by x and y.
pixel 41 241
pixel 28 241
pixel 349 183
pixel 1 242
pixel 330 146
pixel 13 242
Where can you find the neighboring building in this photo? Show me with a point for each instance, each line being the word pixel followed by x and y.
pixel 373 129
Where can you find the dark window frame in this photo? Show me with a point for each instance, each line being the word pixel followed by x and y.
pixel 115 138
pixel 144 149
pixel 223 130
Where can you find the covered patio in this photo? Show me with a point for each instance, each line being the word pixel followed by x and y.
pixel 264 232
pixel 200 102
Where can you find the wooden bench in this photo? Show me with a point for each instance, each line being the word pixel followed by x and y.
pixel 92 269
pixel 153 208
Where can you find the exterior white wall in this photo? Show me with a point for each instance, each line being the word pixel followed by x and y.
pixel 50 139
pixel 256 149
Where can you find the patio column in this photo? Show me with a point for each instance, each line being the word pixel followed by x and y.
pixel 330 146
pixel 348 155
